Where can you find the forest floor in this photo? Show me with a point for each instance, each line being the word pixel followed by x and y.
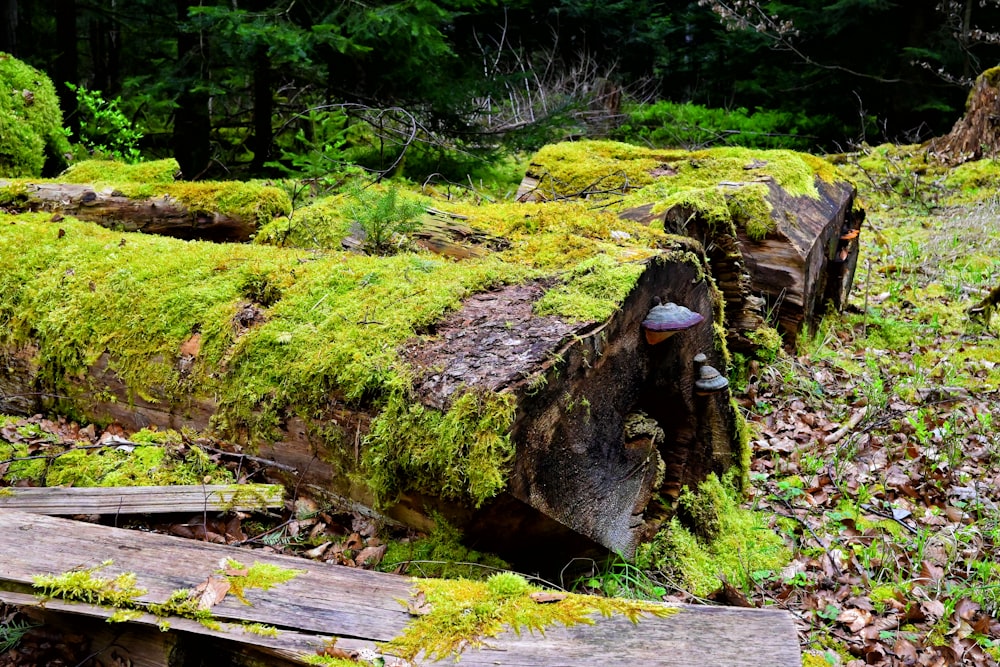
pixel 875 453
pixel 894 521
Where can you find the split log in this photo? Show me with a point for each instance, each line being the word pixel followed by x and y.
pixel 166 214
pixel 782 239
pixel 142 499
pixel 358 607
pixel 580 479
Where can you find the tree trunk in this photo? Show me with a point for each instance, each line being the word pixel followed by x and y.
pixel 8 27
pixel 607 427
pixel 66 64
pixel 192 122
pixel 977 133
pixel 262 109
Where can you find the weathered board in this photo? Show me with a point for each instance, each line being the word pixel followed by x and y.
pixel 141 499
pixel 361 607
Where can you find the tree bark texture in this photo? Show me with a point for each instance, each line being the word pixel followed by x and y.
pixel 161 215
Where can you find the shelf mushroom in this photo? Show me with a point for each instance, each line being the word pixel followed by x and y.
pixel 709 380
pixel 664 320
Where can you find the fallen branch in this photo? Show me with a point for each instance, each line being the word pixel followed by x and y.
pixel 839 434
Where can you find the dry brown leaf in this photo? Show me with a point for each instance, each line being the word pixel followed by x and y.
pixel 210 592
pixel 370 556
pixel 419 606
pixel 545 597
pixel 855 619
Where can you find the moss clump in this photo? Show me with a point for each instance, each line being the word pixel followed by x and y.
pixel 440 554
pixel 464 613
pixel 726 186
pixel 462 453
pixel 86 586
pixel 591 290
pixel 31 132
pixel 259 575
pixel 113 173
pixel 742 542
pixel 322 224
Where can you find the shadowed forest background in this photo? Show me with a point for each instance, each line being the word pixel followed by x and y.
pixel 258 88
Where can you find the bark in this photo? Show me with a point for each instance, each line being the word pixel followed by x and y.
pixel 162 215
pixel 977 133
pixel 583 477
pixel 192 122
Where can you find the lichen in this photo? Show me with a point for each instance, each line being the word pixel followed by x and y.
pixel 457 614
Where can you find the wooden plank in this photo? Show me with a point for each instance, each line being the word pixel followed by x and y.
pixel 362 607
pixel 142 499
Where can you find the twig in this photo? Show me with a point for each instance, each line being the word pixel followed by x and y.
pixel 839 434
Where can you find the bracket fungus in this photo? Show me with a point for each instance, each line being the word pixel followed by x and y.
pixel 666 319
pixel 709 379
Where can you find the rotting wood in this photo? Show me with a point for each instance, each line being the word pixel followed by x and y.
pixel 163 215
pixel 577 484
pixel 141 499
pixel 364 607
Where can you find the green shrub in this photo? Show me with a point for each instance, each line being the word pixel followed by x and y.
pixel 669 124
pixel 32 139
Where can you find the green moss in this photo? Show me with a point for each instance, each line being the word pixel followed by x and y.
pixel 978 179
pixel 145 465
pixel 259 575
pixel 592 290
pixel 440 554
pixel 85 585
pixel 767 342
pixel 743 543
pixel 462 453
pixel 31 132
pixel 260 629
pixel 463 613
pixel 321 224
pixel 112 172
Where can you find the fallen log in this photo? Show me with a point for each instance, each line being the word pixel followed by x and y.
pixel 511 411
pixel 206 211
pixel 780 229
pixel 142 499
pixel 361 609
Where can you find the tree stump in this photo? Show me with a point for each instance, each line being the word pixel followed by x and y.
pixel 976 134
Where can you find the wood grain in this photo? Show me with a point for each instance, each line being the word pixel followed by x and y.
pixel 142 499
pixel 362 607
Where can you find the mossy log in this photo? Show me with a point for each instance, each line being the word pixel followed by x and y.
pixel 297 618
pixel 780 229
pixel 601 426
pixel 165 213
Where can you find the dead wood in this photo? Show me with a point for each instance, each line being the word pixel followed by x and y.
pixel 359 607
pixel 142 499
pixel 163 215
pixel 976 134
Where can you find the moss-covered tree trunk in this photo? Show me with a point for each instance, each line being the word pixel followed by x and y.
pixel 533 432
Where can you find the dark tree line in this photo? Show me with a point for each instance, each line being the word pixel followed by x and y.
pixel 229 85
